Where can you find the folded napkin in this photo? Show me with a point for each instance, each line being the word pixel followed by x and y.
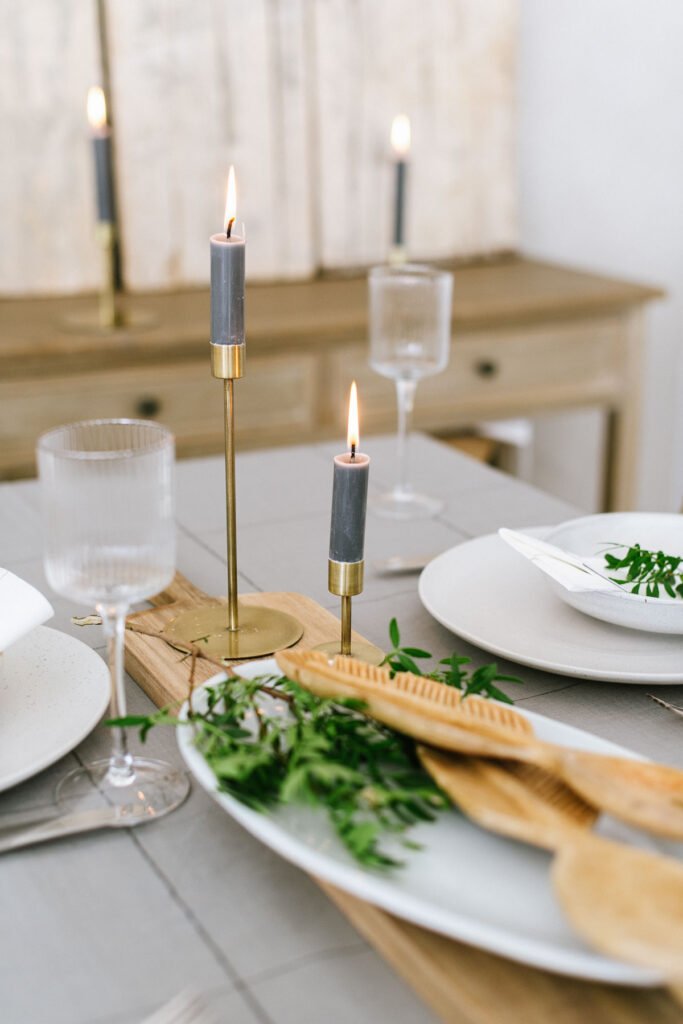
pixel 569 570
pixel 22 608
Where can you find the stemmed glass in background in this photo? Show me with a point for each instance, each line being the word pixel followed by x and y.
pixel 107 490
pixel 410 332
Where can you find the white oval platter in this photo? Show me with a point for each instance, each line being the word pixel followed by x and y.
pixel 465 883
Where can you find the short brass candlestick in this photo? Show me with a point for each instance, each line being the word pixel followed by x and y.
pixel 345 579
pixel 108 317
pixel 238 630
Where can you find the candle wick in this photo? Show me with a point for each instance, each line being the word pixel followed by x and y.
pixel 228 230
pixel 353 450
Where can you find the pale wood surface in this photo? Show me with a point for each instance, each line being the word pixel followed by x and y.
pixel 197 88
pixel 163 673
pixel 115 924
pixel 528 337
pixel 48 60
pixel 489 296
pixel 451 69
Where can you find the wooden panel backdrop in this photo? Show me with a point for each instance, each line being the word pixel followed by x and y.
pixel 299 94
pixel 48 59
pixel 449 65
pixel 198 86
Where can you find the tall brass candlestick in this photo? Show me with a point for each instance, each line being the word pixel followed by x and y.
pixel 238 630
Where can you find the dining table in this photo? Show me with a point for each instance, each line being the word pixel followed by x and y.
pixel 107 927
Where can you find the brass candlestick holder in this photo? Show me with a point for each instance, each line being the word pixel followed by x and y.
pixel 236 631
pixel 108 317
pixel 345 579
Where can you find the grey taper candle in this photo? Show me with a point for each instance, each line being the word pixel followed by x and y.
pixel 101 140
pixel 400 198
pixel 103 178
pixel 227 289
pixel 349 502
pixel 400 143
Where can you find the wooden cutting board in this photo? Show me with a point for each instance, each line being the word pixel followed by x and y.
pixel 462 985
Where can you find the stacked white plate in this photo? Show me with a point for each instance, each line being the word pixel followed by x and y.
pixel 497 600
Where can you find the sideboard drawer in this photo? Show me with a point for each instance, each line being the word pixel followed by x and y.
pixel 489 374
pixel 275 401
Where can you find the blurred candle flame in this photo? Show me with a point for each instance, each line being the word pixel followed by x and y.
pixel 352 434
pixel 230 202
pixel 97 107
pixel 400 135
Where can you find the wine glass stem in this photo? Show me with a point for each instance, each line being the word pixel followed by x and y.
pixel 121 771
pixel 405 399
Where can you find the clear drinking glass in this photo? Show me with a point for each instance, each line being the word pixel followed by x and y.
pixel 107 490
pixel 410 333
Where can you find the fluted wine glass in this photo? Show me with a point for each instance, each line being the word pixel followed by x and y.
pixel 107 490
pixel 410 332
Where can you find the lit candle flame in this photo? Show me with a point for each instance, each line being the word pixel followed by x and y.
pixel 400 135
pixel 230 202
pixel 352 434
pixel 97 108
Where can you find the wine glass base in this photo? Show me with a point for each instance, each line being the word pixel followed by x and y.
pixel 406 505
pixel 155 789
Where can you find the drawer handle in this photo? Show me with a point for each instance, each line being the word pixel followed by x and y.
pixel 148 406
pixel 486 368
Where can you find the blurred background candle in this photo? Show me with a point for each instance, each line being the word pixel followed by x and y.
pixel 227 276
pixel 101 137
pixel 349 494
pixel 400 143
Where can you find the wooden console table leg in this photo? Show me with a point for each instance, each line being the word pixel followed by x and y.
pixel 624 423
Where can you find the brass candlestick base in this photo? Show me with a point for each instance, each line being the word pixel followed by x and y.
pixel 108 318
pixel 346 580
pixel 260 631
pixel 233 631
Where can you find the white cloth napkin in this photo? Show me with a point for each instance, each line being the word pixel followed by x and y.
pixel 22 608
pixel 567 569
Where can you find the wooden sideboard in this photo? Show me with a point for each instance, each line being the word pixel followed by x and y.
pixel 528 337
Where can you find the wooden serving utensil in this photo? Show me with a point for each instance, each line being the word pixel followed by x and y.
pixel 647 795
pixel 624 901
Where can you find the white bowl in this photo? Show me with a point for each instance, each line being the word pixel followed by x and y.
pixel 589 537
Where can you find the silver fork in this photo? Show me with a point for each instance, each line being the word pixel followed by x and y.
pixel 675 708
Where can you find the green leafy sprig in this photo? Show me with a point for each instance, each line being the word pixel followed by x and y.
pixel 648 572
pixel 270 742
pixel 480 681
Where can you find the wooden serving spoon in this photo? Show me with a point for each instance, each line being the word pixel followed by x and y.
pixel 624 901
pixel 647 795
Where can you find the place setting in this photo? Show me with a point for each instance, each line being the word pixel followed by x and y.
pixel 406 651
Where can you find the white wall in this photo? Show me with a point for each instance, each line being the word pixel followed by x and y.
pixel 601 179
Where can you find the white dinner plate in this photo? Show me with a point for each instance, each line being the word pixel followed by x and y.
pixel 53 692
pixel 486 593
pixel 465 882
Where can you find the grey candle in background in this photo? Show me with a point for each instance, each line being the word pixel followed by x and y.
pixel 401 168
pixel 101 139
pixel 103 179
pixel 349 495
pixel 400 142
pixel 228 252
pixel 349 502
